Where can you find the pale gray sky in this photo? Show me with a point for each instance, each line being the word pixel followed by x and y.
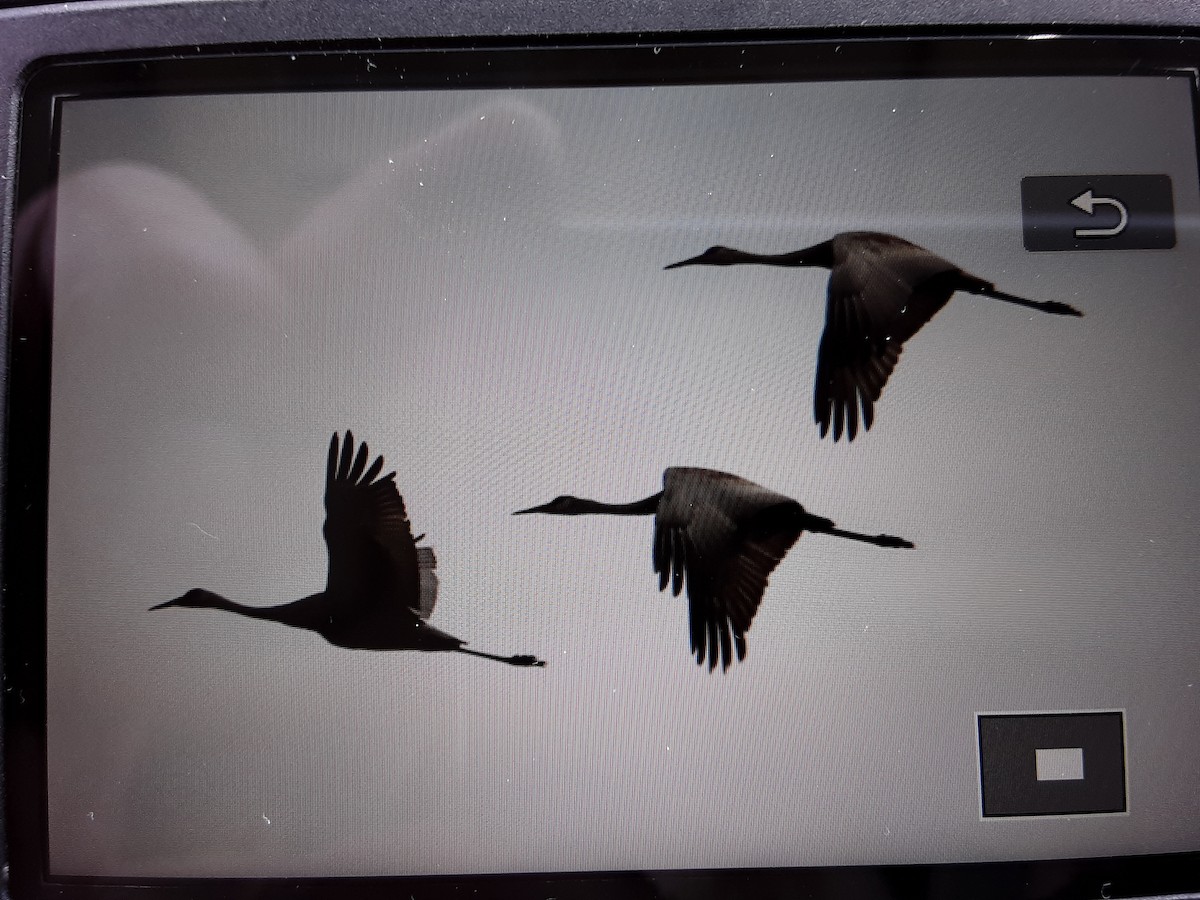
pixel 473 283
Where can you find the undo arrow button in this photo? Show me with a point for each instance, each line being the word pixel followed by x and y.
pixel 1088 203
pixel 1092 211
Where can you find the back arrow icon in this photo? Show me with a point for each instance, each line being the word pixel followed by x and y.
pixel 1088 204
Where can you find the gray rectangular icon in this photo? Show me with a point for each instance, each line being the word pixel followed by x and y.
pixel 1098 212
pixel 1059 763
pixel 1052 763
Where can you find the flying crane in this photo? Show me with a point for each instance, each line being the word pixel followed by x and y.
pixel 721 536
pixel 882 289
pixel 381 586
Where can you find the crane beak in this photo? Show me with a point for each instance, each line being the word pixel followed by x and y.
pixel 684 262
pixel 532 509
pixel 163 605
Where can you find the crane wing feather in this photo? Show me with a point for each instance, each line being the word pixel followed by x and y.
pixel 373 558
pixel 426 564
pixel 661 556
pixel 882 290
pixel 721 536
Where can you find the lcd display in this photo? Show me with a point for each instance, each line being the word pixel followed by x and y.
pixel 480 286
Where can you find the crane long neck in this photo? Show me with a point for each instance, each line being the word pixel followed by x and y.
pixel 287 614
pixel 271 613
pixel 817 255
pixel 646 507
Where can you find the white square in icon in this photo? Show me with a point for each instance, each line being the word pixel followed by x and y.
pixel 1059 764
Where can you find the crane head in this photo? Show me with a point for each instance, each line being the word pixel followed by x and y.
pixel 713 256
pixel 560 506
pixel 196 598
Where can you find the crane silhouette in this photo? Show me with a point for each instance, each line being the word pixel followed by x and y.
pixel 882 289
pixel 722 536
pixel 381 587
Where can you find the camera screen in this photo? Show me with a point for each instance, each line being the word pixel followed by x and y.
pixel 852 425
